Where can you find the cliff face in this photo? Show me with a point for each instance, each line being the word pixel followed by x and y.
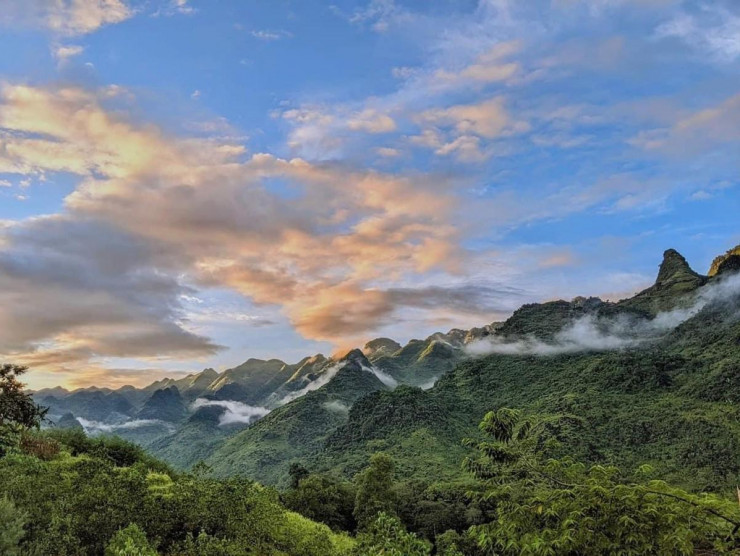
pixel 727 262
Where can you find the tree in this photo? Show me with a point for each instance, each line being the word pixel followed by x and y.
pixel 375 492
pixel 130 541
pixel 297 473
pixel 387 537
pixel 11 527
pixel 16 406
pixel 560 506
pixel 325 499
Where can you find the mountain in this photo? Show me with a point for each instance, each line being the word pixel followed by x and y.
pixel 91 404
pixel 668 398
pixel 649 379
pixel 675 281
pixel 298 428
pixel 68 421
pixel 142 414
pixel 727 262
pixel 166 404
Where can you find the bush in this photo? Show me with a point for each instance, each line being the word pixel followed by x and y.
pixel 387 537
pixel 130 541
pixel 11 527
pixel 41 447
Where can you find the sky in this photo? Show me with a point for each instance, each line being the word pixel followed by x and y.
pixel 188 183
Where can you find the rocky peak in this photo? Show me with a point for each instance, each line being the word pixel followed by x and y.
pixel 356 356
pixel 674 268
pixel 165 404
pixel 727 262
pixel 381 346
pixel 730 265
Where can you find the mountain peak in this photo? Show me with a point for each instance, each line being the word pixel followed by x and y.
pixel 381 346
pixel 356 356
pixel 729 261
pixel 674 268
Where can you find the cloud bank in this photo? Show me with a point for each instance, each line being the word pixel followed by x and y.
pixel 235 412
pixel 96 427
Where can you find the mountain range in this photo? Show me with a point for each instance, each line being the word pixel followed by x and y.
pixel 649 379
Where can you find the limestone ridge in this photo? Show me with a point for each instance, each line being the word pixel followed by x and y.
pixel 728 262
pixel 165 404
pixel 674 270
pixel 675 280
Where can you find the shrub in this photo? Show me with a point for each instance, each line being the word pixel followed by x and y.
pixel 130 541
pixel 11 527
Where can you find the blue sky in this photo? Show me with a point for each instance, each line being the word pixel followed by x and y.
pixel 187 183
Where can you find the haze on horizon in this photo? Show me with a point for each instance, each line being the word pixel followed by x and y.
pixel 186 184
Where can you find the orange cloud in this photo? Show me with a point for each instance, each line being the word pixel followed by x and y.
pixel 155 214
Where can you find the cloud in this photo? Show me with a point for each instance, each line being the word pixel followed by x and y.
pixel 371 121
pixel 97 294
pixel 489 67
pixel 336 407
pixel 379 14
pixel 476 298
pixel 235 412
pixel 174 7
pixel 154 216
pixel 696 132
pixel 64 52
pixel 388 152
pixel 713 30
pixel 323 378
pixel 96 427
pixel 461 129
pixel 382 376
pixel 268 35
pixel 65 17
pixel 488 118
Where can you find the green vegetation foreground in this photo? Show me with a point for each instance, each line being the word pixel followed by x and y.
pixel 63 493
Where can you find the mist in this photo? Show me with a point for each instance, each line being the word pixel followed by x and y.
pixel 324 378
pixel 382 376
pixel 591 333
pixel 92 427
pixel 336 407
pixel 235 412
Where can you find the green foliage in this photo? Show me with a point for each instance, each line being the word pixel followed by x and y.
pixel 130 541
pixel 560 506
pixel 297 473
pixel 452 543
pixel 375 492
pixel 11 527
pixel 324 499
pixel 16 406
pixel 430 509
pixel 386 537
pixel 94 495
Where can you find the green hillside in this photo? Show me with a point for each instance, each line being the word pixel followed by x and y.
pixel 670 402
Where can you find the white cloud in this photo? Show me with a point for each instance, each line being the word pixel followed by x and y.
pixel 79 17
pixel 271 35
pixel 371 121
pixel 64 52
pixel 713 30
pixel 388 152
pixel 235 412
